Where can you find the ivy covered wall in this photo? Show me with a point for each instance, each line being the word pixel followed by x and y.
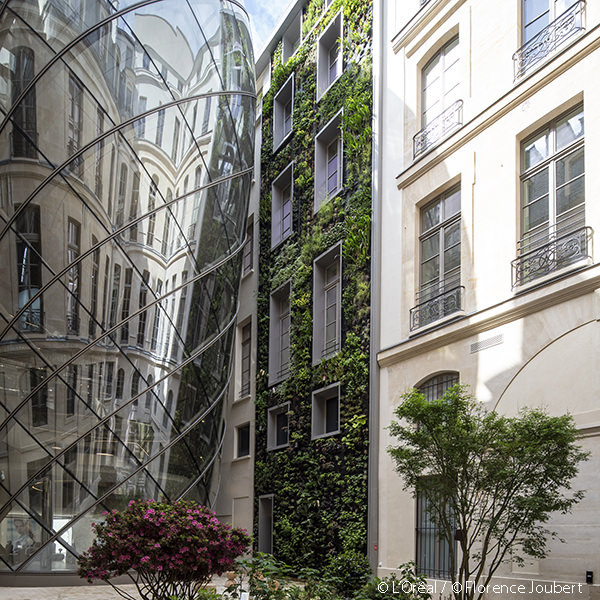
pixel 319 486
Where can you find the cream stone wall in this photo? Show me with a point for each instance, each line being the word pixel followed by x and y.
pixel 533 345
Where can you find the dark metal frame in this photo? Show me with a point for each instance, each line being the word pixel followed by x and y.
pixel 431 310
pixel 549 39
pixel 558 253
pixel 438 129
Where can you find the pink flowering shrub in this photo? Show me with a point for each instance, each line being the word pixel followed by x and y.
pixel 167 549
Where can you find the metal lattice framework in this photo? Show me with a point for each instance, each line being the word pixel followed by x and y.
pixel 127 142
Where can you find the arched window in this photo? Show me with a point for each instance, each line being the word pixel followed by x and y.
pixel 433 551
pixel 434 387
pixel 440 81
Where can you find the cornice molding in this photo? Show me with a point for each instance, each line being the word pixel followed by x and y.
pixel 425 17
pixel 507 311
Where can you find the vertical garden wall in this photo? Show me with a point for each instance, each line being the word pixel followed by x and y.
pixel 318 479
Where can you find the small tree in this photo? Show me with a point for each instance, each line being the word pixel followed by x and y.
pixel 491 481
pixel 169 550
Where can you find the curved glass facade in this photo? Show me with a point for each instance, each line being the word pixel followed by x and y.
pixel 126 149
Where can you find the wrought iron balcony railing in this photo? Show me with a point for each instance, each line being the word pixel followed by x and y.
pixel 549 39
pixel 447 302
pixel 31 320
pixel 437 130
pixel 557 253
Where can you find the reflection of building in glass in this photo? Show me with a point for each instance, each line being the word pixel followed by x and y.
pixel 126 146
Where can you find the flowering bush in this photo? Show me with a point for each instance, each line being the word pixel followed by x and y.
pixel 169 550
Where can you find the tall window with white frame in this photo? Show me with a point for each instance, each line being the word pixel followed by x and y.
pixel 441 106
pixel 329 55
pixel 440 81
pixel 281 206
pixel 326 411
pixel 283 106
pixel 327 296
pixel 246 346
pixel 439 292
pixel 433 551
pixel 278 427
pixel 328 162
pixel 291 38
pixel 553 233
pixel 279 334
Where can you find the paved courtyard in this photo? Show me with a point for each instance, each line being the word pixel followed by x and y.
pixel 80 592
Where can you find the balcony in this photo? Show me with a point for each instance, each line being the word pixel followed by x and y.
pixel 31 319
pixel 549 39
pixel 438 129
pixel 556 254
pixel 447 302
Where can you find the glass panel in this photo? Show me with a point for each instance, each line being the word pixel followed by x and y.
pixel 569 167
pixel 331 414
pixel 532 9
pixel 430 247
pixel 570 195
pixel 21 536
pixel 533 28
pixel 536 187
pixel 106 287
pixel 282 428
pixel 535 214
pixel 432 89
pixel 451 73
pixel 451 259
pixel 430 216
pixel 452 235
pixel 430 271
pixel 569 129
pixel 451 247
pixel 536 151
pixel 452 204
